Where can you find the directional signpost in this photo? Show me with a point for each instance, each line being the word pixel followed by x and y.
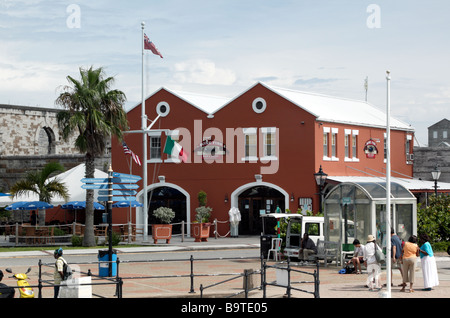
pixel 117 187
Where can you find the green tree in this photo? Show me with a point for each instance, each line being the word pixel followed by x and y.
pixel 37 182
pixel 434 219
pixel 95 112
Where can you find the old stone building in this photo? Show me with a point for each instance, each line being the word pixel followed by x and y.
pixel 436 154
pixel 30 138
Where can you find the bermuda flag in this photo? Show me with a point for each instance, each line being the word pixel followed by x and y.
pixel 174 149
pixel 148 45
pixel 128 151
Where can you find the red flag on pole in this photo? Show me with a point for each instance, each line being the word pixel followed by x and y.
pixel 148 45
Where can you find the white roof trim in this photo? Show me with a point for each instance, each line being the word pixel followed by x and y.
pixel 410 184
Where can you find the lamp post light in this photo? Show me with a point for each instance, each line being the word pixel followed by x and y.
pixel 320 177
pixel 435 174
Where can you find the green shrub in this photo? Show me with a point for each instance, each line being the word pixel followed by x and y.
pixel 77 240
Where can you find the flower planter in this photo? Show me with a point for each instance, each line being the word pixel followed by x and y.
pixel 200 231
pixel 161 232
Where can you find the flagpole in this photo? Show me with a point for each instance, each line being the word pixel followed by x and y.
pixel 144 147
pixel 388 186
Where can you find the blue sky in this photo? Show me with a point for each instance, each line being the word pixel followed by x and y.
pixel 222 47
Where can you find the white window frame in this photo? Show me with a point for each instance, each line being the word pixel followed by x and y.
pixel 325 143
pixel 334 144
pixel 151 136
pixel 274 155
pixel 251 132
pixel 355 134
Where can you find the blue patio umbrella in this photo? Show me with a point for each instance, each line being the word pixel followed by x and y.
pixel 16 206
pixel 79 205
pixel 127 204
pixel 36 205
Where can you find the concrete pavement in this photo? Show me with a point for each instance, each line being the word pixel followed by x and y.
pixel 157 285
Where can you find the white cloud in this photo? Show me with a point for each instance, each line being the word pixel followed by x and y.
pixel 202 71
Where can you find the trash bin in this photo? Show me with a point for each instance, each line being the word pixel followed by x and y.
pixel 265 242
pixel 103 268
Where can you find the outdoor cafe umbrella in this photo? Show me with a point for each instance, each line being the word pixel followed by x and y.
pixel 36 205
pixel 28 206
pixel 127 204
pixel 80 205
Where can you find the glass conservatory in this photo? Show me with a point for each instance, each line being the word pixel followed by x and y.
pixel 357 209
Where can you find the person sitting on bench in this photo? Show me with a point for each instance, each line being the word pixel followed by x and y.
pixel 307 247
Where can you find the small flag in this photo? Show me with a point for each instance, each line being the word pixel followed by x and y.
pixel 148 45
pixel 128 151
pixel 174 149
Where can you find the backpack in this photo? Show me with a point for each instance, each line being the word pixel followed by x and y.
pixel 67 271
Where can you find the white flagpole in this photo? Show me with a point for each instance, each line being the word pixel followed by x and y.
pixel 388 187
pixel 144 128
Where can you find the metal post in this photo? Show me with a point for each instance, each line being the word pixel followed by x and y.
pixel 40 279
pixel 388 187
pixel 109 209
pixel 182 231
pixel 144 146
pixel 192 274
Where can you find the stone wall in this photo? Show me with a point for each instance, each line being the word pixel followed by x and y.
pixel 29 139
pixel 28 131
pixel 426 158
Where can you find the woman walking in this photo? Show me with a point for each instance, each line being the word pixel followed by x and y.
pixel 428 262
pixel 409 260
pixel 370 261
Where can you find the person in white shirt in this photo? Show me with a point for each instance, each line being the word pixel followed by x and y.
pixel 370 261
pixel 358 256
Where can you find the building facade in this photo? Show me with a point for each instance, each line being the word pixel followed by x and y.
pixel 258 151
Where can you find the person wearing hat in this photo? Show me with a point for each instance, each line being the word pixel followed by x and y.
pixel 58 274
pixel 370 261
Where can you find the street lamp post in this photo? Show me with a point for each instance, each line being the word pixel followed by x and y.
pixel 436 173
pixel 320 177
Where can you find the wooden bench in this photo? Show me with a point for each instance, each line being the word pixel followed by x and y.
pixel 328 251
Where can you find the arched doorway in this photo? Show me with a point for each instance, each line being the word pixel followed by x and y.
pixel 254 201
pixel 168 197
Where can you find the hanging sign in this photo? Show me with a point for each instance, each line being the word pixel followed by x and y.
pixel 370 149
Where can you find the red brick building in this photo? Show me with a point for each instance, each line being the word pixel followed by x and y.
pixel 257 151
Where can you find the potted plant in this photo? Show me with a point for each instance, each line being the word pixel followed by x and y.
pixel 163 231
pixel 201 225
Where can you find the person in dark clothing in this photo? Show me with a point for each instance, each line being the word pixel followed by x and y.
pixel 307 247
pixel 33 218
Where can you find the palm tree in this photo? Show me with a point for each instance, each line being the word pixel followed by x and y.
pixel 95 112
pixel 37 182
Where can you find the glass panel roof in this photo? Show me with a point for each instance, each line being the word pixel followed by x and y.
pixel 373 190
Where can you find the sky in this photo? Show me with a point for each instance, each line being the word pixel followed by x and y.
pixel 222 47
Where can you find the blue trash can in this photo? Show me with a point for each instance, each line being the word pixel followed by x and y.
pixel 103 268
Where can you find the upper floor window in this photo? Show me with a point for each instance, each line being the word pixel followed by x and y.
pixel 155 148
pixel 326 134
pixel 270 139
pixel 251 145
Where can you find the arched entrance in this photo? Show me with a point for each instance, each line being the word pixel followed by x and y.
pixel 254 200
pixel 168 197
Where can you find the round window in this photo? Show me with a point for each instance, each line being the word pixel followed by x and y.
pixel 163 109
pixel 259 105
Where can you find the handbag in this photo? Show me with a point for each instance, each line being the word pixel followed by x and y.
pixel 379 254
